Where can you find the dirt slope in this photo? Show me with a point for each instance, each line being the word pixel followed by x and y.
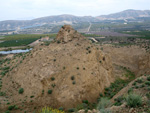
pixel 81 71
pixel 134 58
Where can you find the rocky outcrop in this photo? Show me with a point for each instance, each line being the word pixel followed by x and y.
pixel 67 33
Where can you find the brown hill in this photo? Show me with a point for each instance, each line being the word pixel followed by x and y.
pixel 71 69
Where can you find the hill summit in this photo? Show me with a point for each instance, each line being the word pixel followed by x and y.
pixel 61 74
pixel 67 33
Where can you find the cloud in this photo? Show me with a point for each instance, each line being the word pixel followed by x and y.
pixel 13 9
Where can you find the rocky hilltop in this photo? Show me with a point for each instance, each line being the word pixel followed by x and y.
pixel 69 70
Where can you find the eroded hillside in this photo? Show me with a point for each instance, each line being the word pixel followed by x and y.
pixel 62 74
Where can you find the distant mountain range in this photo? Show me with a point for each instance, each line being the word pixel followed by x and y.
pixel 70 19
pixel 127 14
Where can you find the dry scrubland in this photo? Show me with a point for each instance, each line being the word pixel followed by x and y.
pixel 75 75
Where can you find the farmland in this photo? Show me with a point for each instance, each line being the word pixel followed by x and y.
pixel 22 39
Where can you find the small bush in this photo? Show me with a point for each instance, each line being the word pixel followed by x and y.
pixel 134 84
pixel 42 91
pixel 139 80
pixel 21 90
pixel 7 112
pixel 53 85
pixel 119 100
pixel 148 78
pixel 143 85
pixel 130 90
pixel 85 101
pixel 58 41
pixel 105 111
pixel 71 110
pixel 50 110
pixel 32 96
pixel 148 95
pixel 2 93
pixel 134 100
pixel 74 82
pixel 52 78
pixel 61 108
pixel 11 107
pixel 72 77
pixel 104 102
pixel 136 87
pixel 147 83
pixel 50 91
pixel 101 95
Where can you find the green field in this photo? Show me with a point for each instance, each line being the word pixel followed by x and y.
pixel 141 34
pixel 22 39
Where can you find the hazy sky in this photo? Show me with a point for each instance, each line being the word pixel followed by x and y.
pixel 27 9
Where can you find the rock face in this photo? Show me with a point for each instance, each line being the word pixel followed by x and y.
pixel 61 74
pixel 67 33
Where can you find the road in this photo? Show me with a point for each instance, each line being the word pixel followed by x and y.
pixel 89 27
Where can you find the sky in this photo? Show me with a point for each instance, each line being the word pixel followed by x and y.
pixel 29 9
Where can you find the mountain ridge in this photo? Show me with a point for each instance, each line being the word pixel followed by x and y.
pixel 71 19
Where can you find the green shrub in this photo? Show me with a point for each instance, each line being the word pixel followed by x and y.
pixel 43 91
pixel 52 78
pixel 11 107
pixel 143 85
pixel 130 90
pixel 148 88
pixel 71 110
pixel 105 111
pixel 147 83
pixel 139 80
pixel 53 85
pixel 58 41
pixel 85 101
pixel 148 78
pixel 77 68
pixel 82 106
pixel 101 95
pixel 134 100
pixel 7 112
pixel 148 95
pixel 47 43
pixel 32 96
pixel 50 91
pixel 74 82
pixel 134 84
pixel 2 93
pixel 72 77
pixel 61 108
pixel 119 100
pixel 104 102
pixel 148 103
pixel 21 90
pixel 136 87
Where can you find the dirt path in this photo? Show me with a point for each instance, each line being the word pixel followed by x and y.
pixel 89 27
